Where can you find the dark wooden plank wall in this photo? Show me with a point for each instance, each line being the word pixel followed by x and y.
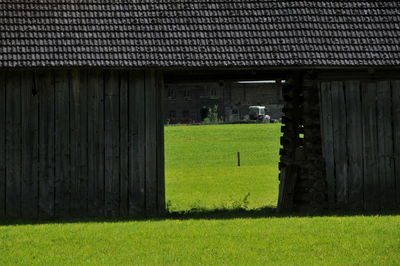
pixel 78 142
pixel 340 143
pixel 151 135
pixel 370 145
pixel 96 143
pixel 160 147
pixel 13 145
pixel 396 135
pixel 62 191
pixel 81 143
pixel 2 144
pixel 385 147
pixel 137 147
pixel 364 132
pixel 124 139
pixel 327 147
pixel 30 144
pixel 354 144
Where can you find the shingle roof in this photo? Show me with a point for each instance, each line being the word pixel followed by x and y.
pixel 195 33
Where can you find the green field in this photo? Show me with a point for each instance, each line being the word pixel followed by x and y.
pixel 202 171
pixel 202 176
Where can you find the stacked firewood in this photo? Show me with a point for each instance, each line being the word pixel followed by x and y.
pixel 302 170
pixel 311 188
pixel 292 143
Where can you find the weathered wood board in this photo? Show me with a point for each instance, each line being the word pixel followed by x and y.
pixel 13 145
pixel 385 144
pixel 339 143
pixel 137 133
pixel 3 77
pixel 370 146
pixel 30 145
pixel 150 142
pixel 327 141
pixel 160 146
pixel 62 190
pixel 124 140
pixel 45 87
pixel 78 143
pixel 96 143
pixel 288 180
pixel 354 144
pixel 112 134
pixel 396 136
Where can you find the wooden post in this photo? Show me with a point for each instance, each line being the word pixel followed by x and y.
pixel 238 158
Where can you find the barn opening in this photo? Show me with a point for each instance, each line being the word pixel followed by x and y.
pixel 222 143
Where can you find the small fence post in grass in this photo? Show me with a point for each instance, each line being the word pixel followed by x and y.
pixel 238 158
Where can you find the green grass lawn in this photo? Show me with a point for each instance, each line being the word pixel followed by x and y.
pixel 202 171
pixel 242 241
pixel 201 174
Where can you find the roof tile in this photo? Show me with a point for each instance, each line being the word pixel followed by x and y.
pixel 193 33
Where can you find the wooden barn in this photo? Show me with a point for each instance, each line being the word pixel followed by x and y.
pixel 81 123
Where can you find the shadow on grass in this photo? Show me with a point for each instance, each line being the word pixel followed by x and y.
pixel 200 214
pixel 267 212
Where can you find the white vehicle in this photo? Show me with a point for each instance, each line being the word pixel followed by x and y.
pixel 257 113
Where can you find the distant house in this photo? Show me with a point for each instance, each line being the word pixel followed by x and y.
pixel 82 83
pixel 189 102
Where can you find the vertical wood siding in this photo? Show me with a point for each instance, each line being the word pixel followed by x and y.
pixel 354 144
pixel 137 147
pixel 78 142
pixel 45 86
pixel 30 146
pixel 81 143
pixel 13 145
pixel 62 184
pixel 328 150
pixel 3 145
pixel 124 140
pixel 370 147
pixel 362 121
pixel 396 135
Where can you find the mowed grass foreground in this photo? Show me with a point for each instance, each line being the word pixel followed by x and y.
pixel 230 237
pixel 263 241
pixel 202 169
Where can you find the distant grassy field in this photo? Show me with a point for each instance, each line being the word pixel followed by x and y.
pixel 201 174
pixel 202 171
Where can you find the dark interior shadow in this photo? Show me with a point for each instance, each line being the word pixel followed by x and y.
pixel 199 214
